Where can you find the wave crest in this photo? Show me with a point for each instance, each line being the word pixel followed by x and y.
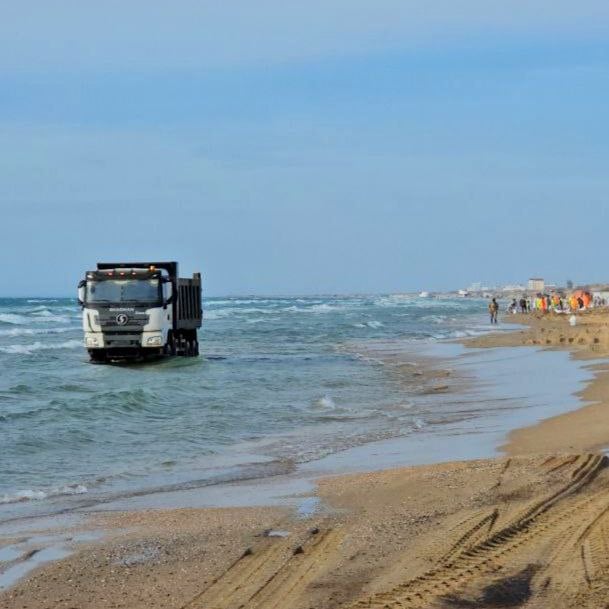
pixel 38 495
pixel 21 349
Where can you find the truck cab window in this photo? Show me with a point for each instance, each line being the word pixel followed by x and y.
pixel 123 290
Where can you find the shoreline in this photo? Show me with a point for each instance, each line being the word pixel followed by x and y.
pixel 582 429
pixel 374 520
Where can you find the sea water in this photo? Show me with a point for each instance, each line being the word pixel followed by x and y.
pixel 281 382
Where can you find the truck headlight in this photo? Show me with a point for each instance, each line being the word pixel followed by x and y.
pixel 92 341
pixel 154 341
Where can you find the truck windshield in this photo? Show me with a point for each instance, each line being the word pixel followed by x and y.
pixel 123 290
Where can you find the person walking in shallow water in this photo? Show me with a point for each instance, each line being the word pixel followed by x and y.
pixel 493 309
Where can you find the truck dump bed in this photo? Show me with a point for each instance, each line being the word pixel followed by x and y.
pixel 188 310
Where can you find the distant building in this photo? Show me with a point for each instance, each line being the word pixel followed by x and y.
pixel 514 287
pixel 536 284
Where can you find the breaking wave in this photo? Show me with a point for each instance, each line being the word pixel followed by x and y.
pixel 325 402
pixel 28 349
pixel 38 495
pixel 35 331
pixel 35 317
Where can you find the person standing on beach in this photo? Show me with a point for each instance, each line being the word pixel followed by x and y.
pixel 523 305
pixel 493 309
pixel 543 305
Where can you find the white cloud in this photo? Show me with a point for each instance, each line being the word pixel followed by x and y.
pixel 137 34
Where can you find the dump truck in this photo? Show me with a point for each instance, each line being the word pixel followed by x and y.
pixel 133 311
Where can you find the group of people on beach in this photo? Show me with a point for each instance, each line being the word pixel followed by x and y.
pixel 545 303
pixel 542 302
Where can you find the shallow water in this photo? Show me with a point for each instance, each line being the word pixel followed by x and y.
pixel 496 391
pixel 282 381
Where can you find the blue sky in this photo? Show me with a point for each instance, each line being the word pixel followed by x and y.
pixel 305 147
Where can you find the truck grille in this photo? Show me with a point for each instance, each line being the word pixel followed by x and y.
pixel 136 323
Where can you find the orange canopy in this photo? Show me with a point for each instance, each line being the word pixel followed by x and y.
pixel 584 295
pixel 580 293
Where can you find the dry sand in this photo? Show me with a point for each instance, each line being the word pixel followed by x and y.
pixel 527 530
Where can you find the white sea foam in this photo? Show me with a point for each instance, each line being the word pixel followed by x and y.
pixel 42 312
pixel 461 334
pixel 325 402
pixel 13 318
pixel 35 317
pixel 23 495
pixel 316 308
pixel 326 308
pixel 394 300
pixel 38 495
pixel 240 301
pixel 35 331
pixel 370 324
pixel 243 311
pixel 210 315
pixel 33 300
pixel 436 319
pixel 50 317
pixel 28 349
pixel 236 311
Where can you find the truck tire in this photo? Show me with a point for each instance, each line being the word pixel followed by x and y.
pixel 97 358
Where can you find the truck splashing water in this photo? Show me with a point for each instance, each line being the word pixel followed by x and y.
pixel 139 310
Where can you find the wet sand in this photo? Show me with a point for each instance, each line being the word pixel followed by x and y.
pixel 585 429
pixel 529 529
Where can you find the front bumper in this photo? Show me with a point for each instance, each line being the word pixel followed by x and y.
pixel 118 340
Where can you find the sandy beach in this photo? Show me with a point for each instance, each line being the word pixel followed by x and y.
pixel 526 529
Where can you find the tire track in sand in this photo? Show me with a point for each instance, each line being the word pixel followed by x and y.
pixel 272 575
pixel 539 524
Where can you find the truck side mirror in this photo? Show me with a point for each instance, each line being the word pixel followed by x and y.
pixel 82 284
pixel 167 294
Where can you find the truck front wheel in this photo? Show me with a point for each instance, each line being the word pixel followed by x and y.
pixel 97 357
